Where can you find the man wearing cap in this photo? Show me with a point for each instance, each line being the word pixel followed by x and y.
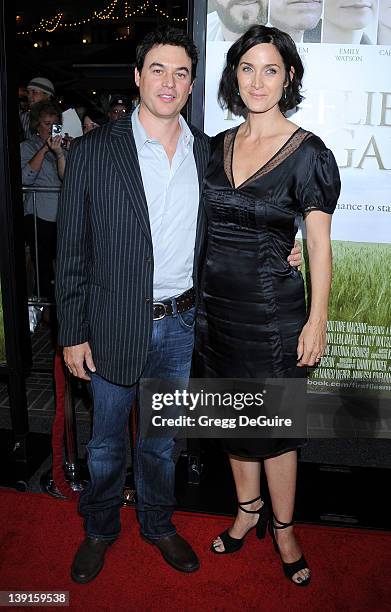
pixel 119 106
pixel 38 89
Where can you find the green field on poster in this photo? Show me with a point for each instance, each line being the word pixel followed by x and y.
pixel 358 353
pixel 361 289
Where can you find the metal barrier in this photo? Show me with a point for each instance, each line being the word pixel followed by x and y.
pixel 37 300
pixel 61 375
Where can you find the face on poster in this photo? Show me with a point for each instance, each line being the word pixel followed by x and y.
pixel 350 22
pixel 229 19
pixel 384 28
pixel 297 18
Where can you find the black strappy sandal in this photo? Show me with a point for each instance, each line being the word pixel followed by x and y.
pixel 232 545
pixel 290 569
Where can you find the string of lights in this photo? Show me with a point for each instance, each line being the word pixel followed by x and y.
pixel 50 25
pixel 115 11
pixel 107 12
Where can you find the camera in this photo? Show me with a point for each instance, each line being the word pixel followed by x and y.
pixel 56 130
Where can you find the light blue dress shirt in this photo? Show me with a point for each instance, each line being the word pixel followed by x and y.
pixel 172 194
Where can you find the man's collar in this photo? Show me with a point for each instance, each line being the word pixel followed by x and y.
pixel 139 133
pixel 141 136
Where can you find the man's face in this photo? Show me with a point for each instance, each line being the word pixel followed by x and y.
pixel 349 15
pixel 119 110
pixel 238 15
pixel 165 81
pixel 36 95
pixel 295 14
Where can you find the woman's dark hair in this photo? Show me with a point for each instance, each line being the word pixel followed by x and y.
pixel 95 115
pixel 45 107
pixel 167 36
pixel 228 95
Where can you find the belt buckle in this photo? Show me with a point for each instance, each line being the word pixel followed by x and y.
pixel 164 311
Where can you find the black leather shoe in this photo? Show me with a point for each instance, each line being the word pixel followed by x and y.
pixel 177 552
pixel 89 559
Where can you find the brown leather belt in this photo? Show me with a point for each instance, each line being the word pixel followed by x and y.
pixel 183 302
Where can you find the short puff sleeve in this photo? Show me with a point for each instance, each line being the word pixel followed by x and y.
pixel 323 187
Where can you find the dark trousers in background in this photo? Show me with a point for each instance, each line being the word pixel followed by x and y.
pixel 169 357
pixel 47 243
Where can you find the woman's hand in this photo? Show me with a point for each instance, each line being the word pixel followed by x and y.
pixel 54 145
pixel 312 343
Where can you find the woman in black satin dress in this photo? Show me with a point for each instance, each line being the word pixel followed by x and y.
pixel 253 321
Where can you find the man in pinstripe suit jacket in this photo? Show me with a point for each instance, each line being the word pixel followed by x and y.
pixel 126 244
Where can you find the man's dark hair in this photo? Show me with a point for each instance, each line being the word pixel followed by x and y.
pixel 167 36
pixel 229 96
pixel 45 107
pixel 96 115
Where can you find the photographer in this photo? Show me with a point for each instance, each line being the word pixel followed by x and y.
pixel 43 165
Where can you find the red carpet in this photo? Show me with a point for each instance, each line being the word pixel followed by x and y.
pixel 39 535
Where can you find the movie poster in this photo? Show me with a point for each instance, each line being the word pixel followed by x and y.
pixel 346 51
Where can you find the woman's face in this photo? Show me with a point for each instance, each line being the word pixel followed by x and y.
pixel 45 125
pixel 385 13
pixel 350 14
pixel 88 124
pixel 261 77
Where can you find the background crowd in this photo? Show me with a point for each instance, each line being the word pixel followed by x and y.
pixel 44 149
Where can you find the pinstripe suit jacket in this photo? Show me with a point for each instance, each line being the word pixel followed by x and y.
pixel 104 277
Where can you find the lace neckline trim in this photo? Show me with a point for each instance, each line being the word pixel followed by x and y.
pixel 290 146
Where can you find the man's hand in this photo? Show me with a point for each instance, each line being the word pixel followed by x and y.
pixel 76 356
pixel 295 257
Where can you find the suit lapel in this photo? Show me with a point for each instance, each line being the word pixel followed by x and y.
pixel 201 159
pixel 123 152
pixel 201 156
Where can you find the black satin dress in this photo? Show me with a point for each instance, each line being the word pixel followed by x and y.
pixel 252 301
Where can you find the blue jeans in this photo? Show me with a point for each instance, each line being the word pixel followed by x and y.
pixel 169 356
